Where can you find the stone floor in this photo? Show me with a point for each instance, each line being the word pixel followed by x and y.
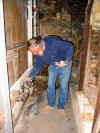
pixel 35 120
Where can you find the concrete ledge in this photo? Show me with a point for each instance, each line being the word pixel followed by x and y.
pixel 17 84
pixel 17 110
pixel 14 91
pixel 76 111
pixel 83 111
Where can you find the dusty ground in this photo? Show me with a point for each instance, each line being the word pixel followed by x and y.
pixel 36 121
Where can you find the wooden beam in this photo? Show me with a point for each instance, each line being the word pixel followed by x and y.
pixel 85 45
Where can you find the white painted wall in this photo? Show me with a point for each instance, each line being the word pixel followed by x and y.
pixel 29 26
pixel 34 18
pixel 4 88
pixel 29 30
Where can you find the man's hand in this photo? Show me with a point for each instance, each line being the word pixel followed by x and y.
pixel 27 82
pixel 62 63
pixel 28 79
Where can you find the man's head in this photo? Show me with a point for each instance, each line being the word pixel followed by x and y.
pixel 35 45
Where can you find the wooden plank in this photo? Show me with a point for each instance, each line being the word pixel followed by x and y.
pixel 97 107
pixel 11 73
pixel 96 128
pixel 11 54
pixel 12 60
pixel 22 61
pixel 85 45
pixel 15 22
pixel 17 63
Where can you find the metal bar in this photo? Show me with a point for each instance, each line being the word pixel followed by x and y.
pixel 4 88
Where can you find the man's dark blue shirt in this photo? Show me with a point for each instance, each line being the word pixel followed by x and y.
pixel 56 50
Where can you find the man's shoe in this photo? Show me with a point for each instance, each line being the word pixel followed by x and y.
pixel 62 112
pixel 47 108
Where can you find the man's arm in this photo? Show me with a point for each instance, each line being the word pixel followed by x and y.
pixel 37 67
pixel 69 53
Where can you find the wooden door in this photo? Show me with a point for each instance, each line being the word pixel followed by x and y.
pixel 16 37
